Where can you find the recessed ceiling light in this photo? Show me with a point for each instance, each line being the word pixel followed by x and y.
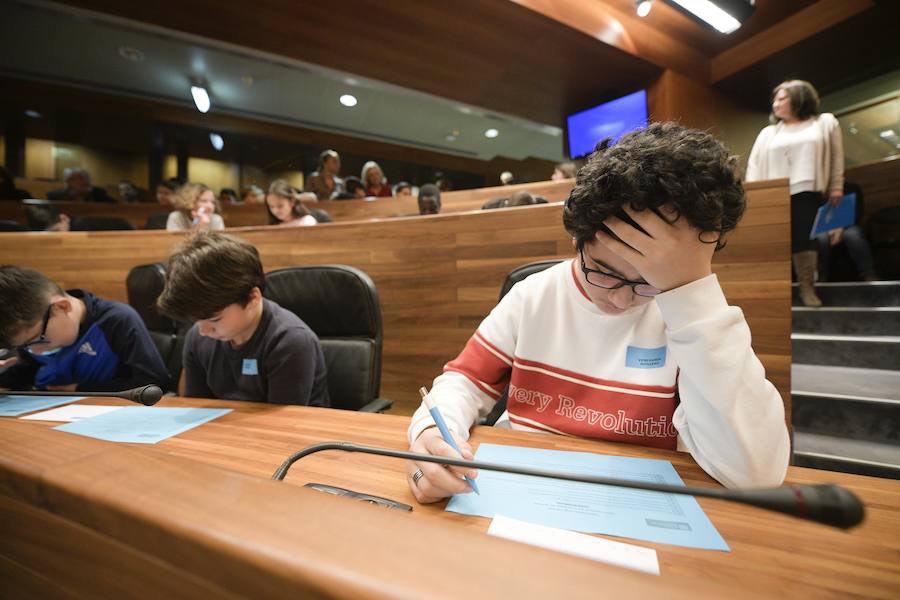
pixel 491 133
pixel 216 140
pixel 33 114
pixel 131 53
pixel 201 98
pixel 643 7
pixel 887 133
pixel 711 13
pixel 450 137
pixel 348 100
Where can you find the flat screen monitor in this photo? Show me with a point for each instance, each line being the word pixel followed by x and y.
pixel 609 120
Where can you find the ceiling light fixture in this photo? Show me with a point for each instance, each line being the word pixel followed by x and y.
pixel 491 133
pixel 217 142
pixel 725 16
pixel 348 100
pixel 201 98
pixel 887 133
pixel 131 53
pixel 33 114
pixel 643 7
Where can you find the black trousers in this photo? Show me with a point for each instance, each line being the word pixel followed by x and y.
pixel 803 212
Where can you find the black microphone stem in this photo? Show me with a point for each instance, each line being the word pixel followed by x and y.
pixel 827 504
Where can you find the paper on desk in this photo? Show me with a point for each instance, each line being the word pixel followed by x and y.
pixel 651 516
pixel 74 412
pixel 577 544
pixel 142 424
pixel 13 406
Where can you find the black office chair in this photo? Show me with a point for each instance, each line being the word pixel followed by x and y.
pixel 512 278
pixel 144 284
pixel 340 304
pixel 101 224
pixel 10 226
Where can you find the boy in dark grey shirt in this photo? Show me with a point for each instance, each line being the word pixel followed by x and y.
pixel 242 346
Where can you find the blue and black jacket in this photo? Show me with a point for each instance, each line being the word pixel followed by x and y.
pixel 113 352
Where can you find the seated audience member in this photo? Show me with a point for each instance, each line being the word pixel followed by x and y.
pixel 128 192
pixel 324 182
pixel 853 238
pixel 47 218
pixel 631 340
pixel 228 196
pixel 195 209
pixel 353 189
pixel 374 180
pixel 165 192
pixel 8 189
pixel 253 194
pixel 506 178
pixel 71 340
pixel 285 208
pixel 429 199
pixel 521 198
pixel 443 183
pixel 242 346
pixel 404 188
pixel 564 170
pixel 78 188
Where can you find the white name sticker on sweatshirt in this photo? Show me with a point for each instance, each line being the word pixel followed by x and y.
pixel 645 358
pixel 249 367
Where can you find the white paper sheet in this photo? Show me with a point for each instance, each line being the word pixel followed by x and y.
pixel 578 544
pixel 73 412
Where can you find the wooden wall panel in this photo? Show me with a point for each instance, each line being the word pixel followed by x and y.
pixel 438 276
pixel 880 182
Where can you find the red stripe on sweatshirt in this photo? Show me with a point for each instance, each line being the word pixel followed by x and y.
pixel 481 365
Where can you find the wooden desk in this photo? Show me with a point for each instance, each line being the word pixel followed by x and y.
pixel 171 501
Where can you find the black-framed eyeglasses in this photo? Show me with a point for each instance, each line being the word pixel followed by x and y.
pixel 42 338
pixel 608 281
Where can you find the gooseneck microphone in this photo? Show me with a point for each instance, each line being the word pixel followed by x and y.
pixel 828 504
pixel 147 395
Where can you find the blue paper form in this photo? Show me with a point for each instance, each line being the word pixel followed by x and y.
pixel 142 424
pixel 651 516
pixel 13 406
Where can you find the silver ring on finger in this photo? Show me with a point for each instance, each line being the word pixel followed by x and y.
pixel 417 476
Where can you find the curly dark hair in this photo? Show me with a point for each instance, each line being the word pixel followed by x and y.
pixel 662 163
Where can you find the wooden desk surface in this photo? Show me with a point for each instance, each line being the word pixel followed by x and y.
pixel 771 555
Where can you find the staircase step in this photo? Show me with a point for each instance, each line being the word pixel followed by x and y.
pixel 848 383
pixel 848 320
pixel 848 456
pixel 874 352
pixel 856 293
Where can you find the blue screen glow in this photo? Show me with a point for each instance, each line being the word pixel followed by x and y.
pixel 612 119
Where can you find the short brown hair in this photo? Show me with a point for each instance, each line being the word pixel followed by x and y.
pixel 804 99
pixel 24 296
pixel 208 272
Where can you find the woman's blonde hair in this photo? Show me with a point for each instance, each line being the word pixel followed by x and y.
pixel 283 189
pixel 188 194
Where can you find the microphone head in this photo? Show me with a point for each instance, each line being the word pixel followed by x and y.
pixel 147 395
pixel 833 505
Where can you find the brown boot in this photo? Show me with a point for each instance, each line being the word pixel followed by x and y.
pixel 805 266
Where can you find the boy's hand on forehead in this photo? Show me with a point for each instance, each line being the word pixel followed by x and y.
pixel 671 255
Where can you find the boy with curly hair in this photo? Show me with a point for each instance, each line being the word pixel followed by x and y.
pixel 632 340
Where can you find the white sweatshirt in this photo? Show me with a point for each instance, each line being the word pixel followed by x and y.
pixel 677 372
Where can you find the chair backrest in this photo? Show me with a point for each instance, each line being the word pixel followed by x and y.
pixel 523 271
pixel 340 304
pixel 7 226
pixel 101 224
pixel 144 284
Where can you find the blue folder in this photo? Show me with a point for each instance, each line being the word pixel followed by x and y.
pixel 828 218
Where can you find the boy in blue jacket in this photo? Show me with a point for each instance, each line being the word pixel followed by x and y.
pixel 71 340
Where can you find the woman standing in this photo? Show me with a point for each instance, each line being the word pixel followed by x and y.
pixel 285 208
pixel 805 147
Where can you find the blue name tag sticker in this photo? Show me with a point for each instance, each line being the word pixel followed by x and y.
pixel 645 358
pixel 249 367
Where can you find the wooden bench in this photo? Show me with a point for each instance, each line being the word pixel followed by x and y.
pixel 438 276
